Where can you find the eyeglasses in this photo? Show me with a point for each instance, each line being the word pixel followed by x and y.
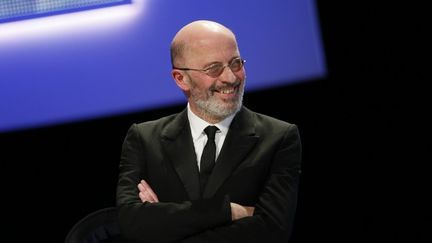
pixel 216 69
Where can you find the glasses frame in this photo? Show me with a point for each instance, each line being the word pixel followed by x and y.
pixel 206 70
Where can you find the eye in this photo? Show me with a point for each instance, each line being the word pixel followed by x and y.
pixel 236 64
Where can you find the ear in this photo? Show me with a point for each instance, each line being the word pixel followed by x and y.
pixel 180 79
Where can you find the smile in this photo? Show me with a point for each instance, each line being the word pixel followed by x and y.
pixel 227 91
pixel 231 89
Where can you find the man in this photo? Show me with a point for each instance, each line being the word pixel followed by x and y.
pixel 172 189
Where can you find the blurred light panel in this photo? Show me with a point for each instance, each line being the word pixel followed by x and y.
pixel 65 26
pixel 13 10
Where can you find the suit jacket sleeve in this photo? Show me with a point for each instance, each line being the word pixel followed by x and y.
pixel 274 212
pixel 163 221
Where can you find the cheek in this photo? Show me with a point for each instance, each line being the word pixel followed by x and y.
pixel 200 90
pixel 204 85
pixel 241 75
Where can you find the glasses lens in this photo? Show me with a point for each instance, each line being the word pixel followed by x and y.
pixel 236 64
pixel 215 70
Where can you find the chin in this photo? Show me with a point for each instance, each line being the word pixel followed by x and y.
pixel 228 109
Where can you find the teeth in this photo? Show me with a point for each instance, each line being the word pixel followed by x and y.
pixel 227 91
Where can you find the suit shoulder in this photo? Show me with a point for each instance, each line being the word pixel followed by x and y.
pixel 266 121
pixel 155 123
pixel 152 128
pixel 271 128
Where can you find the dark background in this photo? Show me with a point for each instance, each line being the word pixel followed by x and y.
pixel 361 130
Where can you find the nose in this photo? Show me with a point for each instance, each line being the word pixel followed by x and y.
pixel 227 75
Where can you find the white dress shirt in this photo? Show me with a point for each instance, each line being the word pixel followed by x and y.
pixel 197 126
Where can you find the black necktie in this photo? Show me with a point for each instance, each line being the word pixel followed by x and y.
pixel 208 156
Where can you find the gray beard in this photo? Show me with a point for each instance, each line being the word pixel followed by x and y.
pixel 214 108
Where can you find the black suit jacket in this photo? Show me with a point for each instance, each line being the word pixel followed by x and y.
pixel 259 165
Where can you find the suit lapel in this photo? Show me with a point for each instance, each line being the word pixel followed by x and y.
pixel 178 145
pixel 240 140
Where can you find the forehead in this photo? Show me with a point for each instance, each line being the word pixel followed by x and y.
pixel 212 48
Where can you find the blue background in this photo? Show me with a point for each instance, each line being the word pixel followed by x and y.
pixel 100 72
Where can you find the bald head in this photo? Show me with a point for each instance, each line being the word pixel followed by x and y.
pixel 195 34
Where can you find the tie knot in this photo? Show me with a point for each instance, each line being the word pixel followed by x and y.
pixel 211 131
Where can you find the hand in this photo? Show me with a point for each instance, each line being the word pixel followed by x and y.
pixel 238 211
pixel 146 194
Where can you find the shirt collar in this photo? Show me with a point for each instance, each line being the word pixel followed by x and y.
pixel 198 125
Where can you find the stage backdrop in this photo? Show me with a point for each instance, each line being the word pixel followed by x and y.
pixel 115 60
